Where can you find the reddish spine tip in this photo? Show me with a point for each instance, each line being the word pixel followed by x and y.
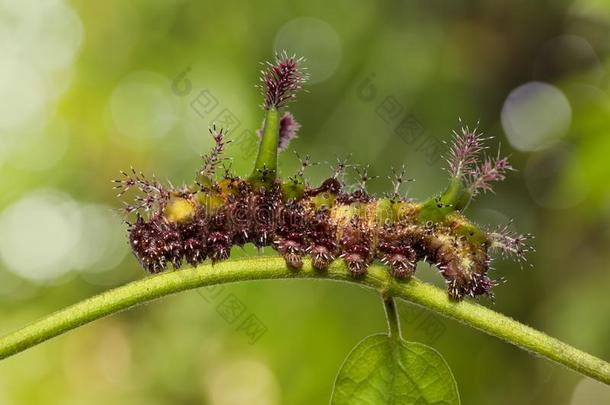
pixel 289 128
pixel 281 80
pixel 465 162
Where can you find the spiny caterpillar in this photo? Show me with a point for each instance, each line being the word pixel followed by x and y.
pixel 189 224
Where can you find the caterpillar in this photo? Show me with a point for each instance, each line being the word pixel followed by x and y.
pixel 328 222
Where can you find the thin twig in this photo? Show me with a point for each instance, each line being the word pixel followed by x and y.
pixel 266 268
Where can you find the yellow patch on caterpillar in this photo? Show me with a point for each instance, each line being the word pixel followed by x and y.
pixel 179 210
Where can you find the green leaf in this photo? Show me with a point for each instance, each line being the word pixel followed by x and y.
pixel 386 370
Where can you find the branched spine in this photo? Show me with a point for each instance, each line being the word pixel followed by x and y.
pixel 281 80
pixel 213 158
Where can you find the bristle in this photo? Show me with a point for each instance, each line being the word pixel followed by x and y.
pixel 355 244
pixel 154 197
pixel 398 179
pixel 289 128
pixel 219 246
pixel 490 171
pixel 465 162
pixel 340 168
pixel 291 250
pixel 364 177
pixel 155 244
pixel 510 243
pixel 464 151
pixel 305 163
pixel 321 256
pixel 213 158
pixel 281 80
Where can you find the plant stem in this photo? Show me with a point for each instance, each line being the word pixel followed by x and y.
pixel 266 268
pixel 391 315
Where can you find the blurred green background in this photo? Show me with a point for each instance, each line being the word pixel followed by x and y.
pixel 90 88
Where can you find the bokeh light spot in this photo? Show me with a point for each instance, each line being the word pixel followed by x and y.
pixel 113 354
pixel 38 234
pixel 534 115
pixel 23 92
pixel 546 178
pixel 589 392
pixel 102 244
pixel 48 33
pixel 43 148
pixel 243 381
pixel 141 106
pixel 315 39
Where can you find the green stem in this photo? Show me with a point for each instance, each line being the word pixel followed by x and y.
pixel 392 317
pixel 266 268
